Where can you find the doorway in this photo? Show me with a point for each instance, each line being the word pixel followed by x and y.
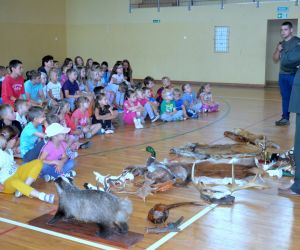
pixel 273 37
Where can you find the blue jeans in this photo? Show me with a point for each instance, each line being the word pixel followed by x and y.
pixel 148 111
pixel 71 101
pixel 34 153
pixel 170 118
pixel 50 169
pixel 286 84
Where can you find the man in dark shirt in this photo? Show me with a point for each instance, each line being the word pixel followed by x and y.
pixel 291 59
pixel 286 75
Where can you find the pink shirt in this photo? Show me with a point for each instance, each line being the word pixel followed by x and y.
pixel 128 104
pixel 54 153
pixel 143 101
pixel 82 118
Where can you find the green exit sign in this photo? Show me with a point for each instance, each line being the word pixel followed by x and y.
pixel 156 21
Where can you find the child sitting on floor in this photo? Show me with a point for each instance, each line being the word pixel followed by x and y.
pixel 192 105
pixel 8 118
pixel 22 108
pixel 179 103
pixel 71 89
pixel 34 88
pixel 104 113
pixel 168 112
pixel 154 104
pixel 133 111
pixel 18 180
pixel 205 95
pixel 32 136
pixel 54 88
pixel 82 121
pixel 148 110
pixel 166 82
pixel 53 154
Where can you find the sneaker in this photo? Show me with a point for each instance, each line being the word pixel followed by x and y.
pixel 140 125
pixel 71 154
pixel 109 131
pixel 282 122
pixel 101 131
pixel 155 118
pixel 136 123
pixel 88 135
pixel 48 178
pixel 85 145
pixel 49 198
pixel 71 174
pixel 18 194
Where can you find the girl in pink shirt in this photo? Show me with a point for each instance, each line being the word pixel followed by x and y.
pixel 82 120
pixel 53 154
pixel 133 110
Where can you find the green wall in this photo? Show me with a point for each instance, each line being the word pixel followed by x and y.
pixel 30 29
pixel 105 30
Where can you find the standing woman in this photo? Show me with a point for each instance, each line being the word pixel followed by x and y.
pixel 291 59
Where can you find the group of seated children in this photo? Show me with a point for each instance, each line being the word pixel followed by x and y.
pixel 43 121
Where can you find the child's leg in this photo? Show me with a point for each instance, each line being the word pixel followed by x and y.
pixel 128 117
pixel 68 166
pixel 166 117
pixel 34 153
pixel 23 178
pixel 154 106
pixel 107 124
pixel 49 170
pixel 177 116
pixel 95 128
pixel 197 107
pixel 71 101
pixel 214 107
pixel 148 111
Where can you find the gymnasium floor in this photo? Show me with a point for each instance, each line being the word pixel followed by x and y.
pixel 257 220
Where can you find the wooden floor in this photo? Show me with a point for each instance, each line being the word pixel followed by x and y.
pixel 258 219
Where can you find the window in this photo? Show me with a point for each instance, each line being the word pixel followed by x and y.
pixel 221 39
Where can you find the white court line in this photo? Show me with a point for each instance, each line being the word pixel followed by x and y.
pixel 167 237
pixel 60 235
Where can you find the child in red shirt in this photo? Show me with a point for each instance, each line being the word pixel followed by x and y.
pixel 13 84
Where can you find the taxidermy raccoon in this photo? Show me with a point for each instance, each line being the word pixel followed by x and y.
pixel 108 211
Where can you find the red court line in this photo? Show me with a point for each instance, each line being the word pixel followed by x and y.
pixel 8 230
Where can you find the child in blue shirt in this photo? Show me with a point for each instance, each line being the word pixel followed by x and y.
pixel 32 136
pixel 189 97
pixel 179 105
pixel 34 88
pixel 168 112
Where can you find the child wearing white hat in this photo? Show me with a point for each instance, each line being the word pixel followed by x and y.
pixel 53 154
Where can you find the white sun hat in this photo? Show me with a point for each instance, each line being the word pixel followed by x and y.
pixel 56 129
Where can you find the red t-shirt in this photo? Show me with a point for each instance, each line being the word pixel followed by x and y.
pixel 69 122
pixel 12 87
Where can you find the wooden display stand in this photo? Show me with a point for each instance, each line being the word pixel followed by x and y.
pixel 86 231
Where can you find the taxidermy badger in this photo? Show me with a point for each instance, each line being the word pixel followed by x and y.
pixel 108 211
